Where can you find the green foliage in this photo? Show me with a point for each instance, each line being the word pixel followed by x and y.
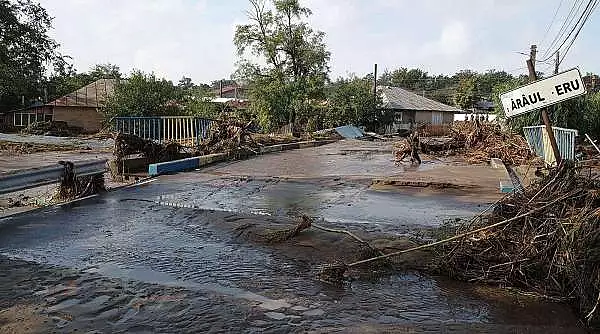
pixel 196 101
pixel 351 101
pixel 289 87
pixel 143 94
pixel 26 52
pixel 465 96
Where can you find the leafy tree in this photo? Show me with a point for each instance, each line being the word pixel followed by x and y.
pixel 285 89
pixel 143 94
pixel 26 51
pixel 466 93
pixel 351 101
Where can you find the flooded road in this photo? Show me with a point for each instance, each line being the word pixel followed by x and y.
pixel 157 258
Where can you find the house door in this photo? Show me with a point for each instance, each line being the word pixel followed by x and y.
pixel 437 118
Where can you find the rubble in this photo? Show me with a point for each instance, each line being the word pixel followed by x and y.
pixel 14 148
pixel 71 187
pixel 233 136
pixel 126 144
pixel 477 142
pixel 549 246
pixel 52 128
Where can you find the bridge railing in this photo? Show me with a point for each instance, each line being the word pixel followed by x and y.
pixel 185 130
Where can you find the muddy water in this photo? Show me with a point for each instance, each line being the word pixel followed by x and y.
pixel 345 202
pixel 128 236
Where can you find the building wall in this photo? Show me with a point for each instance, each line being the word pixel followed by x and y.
pixel 90 119
pixel 448 117
pixel 426 117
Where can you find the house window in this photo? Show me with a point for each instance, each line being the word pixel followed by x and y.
pixel 24 119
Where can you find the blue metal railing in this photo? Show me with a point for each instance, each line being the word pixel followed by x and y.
pixel 538 142
pixel 185 130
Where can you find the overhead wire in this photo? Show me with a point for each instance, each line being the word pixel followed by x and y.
pixel 551 22
pixel 589 13
pixel 564 27
pixel 578 26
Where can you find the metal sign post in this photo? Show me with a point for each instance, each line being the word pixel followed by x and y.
pixel 541 94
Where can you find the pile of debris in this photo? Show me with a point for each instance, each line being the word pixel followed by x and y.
pixel 477 142
pixel 545 240
pixel 52 128
pixel 127 144
pixel 71 187
pixel 228 135
pixel 14 148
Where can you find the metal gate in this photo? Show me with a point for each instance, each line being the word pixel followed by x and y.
pixel 185 130
pixel 537 139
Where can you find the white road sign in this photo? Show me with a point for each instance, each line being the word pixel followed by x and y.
pixel 543 93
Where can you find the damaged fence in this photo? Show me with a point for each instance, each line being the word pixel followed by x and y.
pixel 539 142
pixel 184 130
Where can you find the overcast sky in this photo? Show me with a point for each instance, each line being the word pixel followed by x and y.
pixel 174 38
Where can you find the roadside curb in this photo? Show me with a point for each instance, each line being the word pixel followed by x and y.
pixel 205 160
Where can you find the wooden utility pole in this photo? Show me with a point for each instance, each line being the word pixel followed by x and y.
pixel 375 83
pixel 556 62
pixel 545 118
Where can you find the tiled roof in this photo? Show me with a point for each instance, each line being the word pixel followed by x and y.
pixel 93 95
pixel 402 99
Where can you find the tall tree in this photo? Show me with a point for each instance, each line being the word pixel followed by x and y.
pixel 26 51
pixel 466 94
pixel 295 58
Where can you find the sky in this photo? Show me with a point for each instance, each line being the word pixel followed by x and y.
pixel 194 38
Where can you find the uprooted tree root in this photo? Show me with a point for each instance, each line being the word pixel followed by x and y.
pixel 127 144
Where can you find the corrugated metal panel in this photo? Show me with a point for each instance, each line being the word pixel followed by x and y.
pixel 538 142
pixel 349 132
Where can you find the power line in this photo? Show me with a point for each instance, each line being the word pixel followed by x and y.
pixel 566 51
pixel 566 23
pixel 578 25
pixel 551 22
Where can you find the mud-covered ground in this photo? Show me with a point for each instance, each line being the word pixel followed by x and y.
pixel 190 253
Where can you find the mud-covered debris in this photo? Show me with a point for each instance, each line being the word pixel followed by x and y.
pixel 304 222
pixel 52 128
pixel 333 273
pixel 477 142
pixel 71 187
pixel 553 252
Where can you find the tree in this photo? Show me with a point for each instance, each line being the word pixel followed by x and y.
pixel 143 94
pixel 26 51
pixel 466 96
pixel 285 89
pixel 351 101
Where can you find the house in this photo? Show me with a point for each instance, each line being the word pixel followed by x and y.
pixel 81 108
pixel 409 107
